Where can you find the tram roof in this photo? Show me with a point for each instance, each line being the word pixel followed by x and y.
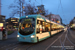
pixel 39 16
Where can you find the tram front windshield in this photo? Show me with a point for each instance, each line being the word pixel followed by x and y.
pixel 26 26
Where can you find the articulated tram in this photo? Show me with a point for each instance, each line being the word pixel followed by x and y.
pixel 34 28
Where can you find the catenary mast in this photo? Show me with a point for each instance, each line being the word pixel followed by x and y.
pixel 0 7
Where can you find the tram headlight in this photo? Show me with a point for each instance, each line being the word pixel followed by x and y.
pixel 18 35
pixel 32 36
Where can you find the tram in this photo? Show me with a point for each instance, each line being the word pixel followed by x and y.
pixel 35 28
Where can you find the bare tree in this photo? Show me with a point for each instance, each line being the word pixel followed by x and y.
pixel 30 9
pixel 17 7
pixel 46 12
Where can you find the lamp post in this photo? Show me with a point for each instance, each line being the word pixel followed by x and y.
pixel 0 7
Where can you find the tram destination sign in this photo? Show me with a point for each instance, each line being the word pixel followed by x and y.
pixel 28 19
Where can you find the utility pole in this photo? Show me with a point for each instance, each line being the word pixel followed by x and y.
pixel 0 7
pixel 23 2
pixel 50 16
pixel 20 7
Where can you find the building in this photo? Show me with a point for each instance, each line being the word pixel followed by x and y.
pixel 12 23
pixel 55 18
pixel 2 20
pixel 58 19
pixel 41 9
pixel 72 21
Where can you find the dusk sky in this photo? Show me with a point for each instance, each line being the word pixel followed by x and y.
pixel 68 7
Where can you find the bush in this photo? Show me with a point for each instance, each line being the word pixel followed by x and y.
pixel 10 32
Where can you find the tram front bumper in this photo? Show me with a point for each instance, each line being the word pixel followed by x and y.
pixel 27 39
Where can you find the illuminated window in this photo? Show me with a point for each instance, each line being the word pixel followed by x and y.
pixel 13 20
pixel 18 20
pixel 1 24
pixel 47 27
pixel 4 20
pixel 42 26
pixel 3 17
pixel 14 26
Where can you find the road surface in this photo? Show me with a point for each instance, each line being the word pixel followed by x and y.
pixel 62 41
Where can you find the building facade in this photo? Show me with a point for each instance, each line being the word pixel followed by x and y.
pixel 12 23
pixel 55 18
pixel 41 10
pixel 72 21
pixel 2 20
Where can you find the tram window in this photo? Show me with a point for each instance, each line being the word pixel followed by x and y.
pixel 38 30
pixel 39 26
pixel 52 27
pixel 55 27
pixel 45 27
pixel 37 21
pixel 49 27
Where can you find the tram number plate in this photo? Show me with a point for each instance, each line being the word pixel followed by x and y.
pixel 24 38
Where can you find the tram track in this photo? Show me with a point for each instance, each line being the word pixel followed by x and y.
pixel 72 33
pixel 62 42
pixel 71 38
pixel 17 46
pixel 56 40
pixel 21 46
pixel 66 39
pixel 9 45
pixel 25 46
pixel 14 46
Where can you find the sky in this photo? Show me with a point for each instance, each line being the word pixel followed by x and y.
pixel 66 9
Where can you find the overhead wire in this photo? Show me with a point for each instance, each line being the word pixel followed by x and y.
pixel 62 43
pixel 58 8
pixel 41 2
pixel 37 2
pixel 60 5
pixel 70 40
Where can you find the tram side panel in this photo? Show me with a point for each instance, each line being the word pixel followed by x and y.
pixel 56 29
pixel 42 30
